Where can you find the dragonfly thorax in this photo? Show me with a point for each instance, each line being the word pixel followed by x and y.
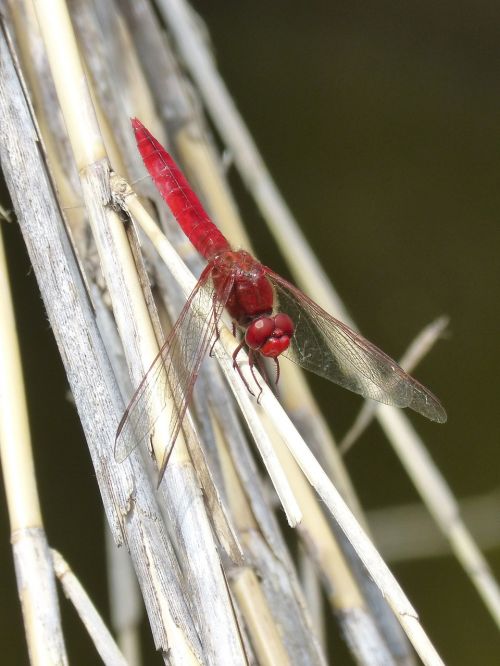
pixel 251 295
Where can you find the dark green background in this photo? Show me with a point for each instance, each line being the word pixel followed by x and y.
pixel 380 123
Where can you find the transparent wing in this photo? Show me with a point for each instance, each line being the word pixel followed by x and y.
pixel 329 348
pixel 169 382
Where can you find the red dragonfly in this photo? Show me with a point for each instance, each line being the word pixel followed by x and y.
pixel 275 317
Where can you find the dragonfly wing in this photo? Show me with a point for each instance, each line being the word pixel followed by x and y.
pixel 169 382
pixel 329 348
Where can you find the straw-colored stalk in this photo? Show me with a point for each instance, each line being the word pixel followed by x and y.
pixel 32 559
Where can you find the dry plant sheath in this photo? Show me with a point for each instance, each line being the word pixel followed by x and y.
pixel 216 577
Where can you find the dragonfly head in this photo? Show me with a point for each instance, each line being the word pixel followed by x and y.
pixel 270 335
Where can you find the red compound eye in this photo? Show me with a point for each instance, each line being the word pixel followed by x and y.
pixel 283 325
pixel 259 332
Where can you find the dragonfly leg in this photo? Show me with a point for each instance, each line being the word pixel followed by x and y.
pixel 237 367
pixel 251 358
pixel 217 331
pixel 217 336
pixel 265 374
pixel 236 352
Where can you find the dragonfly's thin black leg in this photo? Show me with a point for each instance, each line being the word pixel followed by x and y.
pixel 217 331
pixel 237 367
pixel 251 358
pixel 276 360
